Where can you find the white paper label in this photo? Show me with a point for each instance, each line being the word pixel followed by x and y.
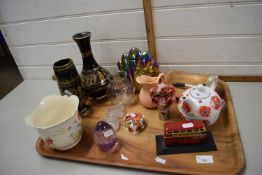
pixel 133 114
pixel 160 160
pixel 187 125
pixel 204 159
pixel 123 157
pixel 108 133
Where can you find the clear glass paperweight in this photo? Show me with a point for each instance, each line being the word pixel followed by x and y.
pixel 120 90
pixel 114 113
pixel 105 136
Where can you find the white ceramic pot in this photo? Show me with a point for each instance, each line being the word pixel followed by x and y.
pixel 57 121
pixel 201 103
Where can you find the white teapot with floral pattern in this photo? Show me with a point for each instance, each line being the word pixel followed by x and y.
pixel 201 103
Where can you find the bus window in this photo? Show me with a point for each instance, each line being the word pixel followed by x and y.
pixel 169 132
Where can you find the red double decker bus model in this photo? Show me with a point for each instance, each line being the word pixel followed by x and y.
pixel 184 132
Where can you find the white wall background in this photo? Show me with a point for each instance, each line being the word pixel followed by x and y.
pixel 199 36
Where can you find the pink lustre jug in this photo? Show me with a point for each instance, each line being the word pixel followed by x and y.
pixel 147 83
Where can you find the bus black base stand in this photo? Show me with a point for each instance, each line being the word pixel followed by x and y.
pixel 207 145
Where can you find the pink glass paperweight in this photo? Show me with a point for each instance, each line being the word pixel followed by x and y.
pixel 105 136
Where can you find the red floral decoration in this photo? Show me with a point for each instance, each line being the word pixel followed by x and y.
pixel 204 111
pixel 186 107
pixel 215 102
pixel 49 141
pixel 163 94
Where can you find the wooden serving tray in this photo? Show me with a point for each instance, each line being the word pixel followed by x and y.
pixel 141 149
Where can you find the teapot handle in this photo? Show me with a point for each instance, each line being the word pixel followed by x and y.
pixel 222 103
pixel 160 78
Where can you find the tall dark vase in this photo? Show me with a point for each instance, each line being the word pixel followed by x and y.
pixel 94 77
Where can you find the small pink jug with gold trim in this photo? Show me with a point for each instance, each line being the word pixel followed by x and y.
pixel 147 83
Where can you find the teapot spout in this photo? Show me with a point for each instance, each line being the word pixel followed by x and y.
pixel 212 81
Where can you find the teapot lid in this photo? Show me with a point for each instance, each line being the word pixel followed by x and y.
pixel 200 92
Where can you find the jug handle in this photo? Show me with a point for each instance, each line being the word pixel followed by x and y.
pixel 160 78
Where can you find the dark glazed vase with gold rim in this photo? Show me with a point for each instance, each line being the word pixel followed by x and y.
pixel 94 77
